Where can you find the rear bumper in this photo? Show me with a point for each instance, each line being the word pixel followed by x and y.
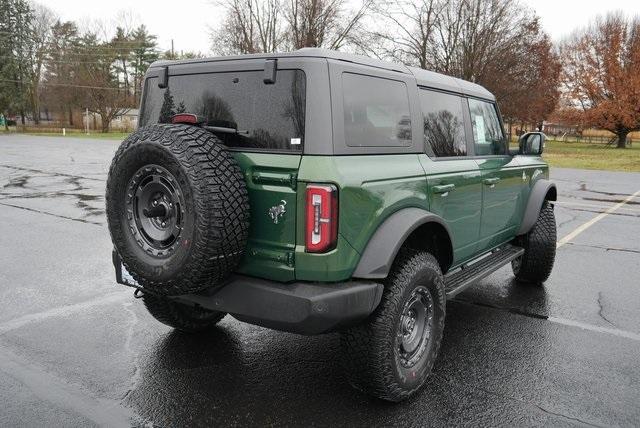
pixel 304 308
pixel 300 307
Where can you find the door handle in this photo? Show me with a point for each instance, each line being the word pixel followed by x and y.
pixel 491 181
pixel 444 188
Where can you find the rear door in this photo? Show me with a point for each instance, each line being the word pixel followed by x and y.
pixel 502 176
pixel 263 125
pixel 453 178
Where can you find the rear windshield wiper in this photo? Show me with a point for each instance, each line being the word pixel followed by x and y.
pixel 225 130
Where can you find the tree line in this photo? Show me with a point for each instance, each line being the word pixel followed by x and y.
pixel 591 79
pixel 48 62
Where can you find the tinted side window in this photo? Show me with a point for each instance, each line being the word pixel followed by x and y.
pixel 443 123
pixel 376 112
pixel 488 137
pixel 265 116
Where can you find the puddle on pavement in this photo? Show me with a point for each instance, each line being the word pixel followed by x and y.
pixel 50 186
pixel 19 182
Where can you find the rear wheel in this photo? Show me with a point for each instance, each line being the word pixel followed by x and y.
pixel 391 355
pixel 539 244
pixel 180 316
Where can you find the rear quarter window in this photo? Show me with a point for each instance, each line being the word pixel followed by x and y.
pixel 443 123
pixel 267 117
pixel 376 112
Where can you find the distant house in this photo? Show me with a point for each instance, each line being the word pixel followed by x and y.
pixel 557 128
pixel 128 120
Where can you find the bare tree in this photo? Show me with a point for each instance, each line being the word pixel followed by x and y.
pixel 99 87
pixel 324 23
pixel 408 31
pixel 250 26
pixel 496 43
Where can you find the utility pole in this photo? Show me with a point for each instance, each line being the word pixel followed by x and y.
pixel 86 125
pixel 173 54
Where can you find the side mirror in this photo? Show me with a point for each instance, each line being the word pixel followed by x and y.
pixel 532 143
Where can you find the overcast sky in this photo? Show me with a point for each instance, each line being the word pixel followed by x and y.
pixel 187 22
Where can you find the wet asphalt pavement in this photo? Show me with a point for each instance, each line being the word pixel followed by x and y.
pixel 77 350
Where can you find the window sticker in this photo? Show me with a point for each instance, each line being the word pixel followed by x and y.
pixel 296 141
pixel 480 130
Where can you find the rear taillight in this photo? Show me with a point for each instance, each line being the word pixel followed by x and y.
pixel 321 233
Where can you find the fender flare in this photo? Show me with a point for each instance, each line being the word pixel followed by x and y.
pixel 537 196
pixel 382 248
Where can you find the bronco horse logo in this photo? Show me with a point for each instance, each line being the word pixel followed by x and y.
pixel 278 211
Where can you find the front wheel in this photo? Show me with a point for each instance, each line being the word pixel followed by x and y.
pixel 391 355
pixel 180 316
pixel 539 244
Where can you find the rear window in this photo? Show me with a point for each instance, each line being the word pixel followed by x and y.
pixel 376 112
pixel 266 117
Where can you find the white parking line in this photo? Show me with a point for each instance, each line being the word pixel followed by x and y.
pixel 577 231
pixel 62 311
pixel 598 206
pixel 591 327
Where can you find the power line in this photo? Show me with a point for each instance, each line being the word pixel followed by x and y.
pixel 50 61
pixel 66 85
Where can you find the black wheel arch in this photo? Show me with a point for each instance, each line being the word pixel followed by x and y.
pixel 414 228
pixel 542 190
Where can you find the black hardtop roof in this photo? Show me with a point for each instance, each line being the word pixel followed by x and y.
pixel 423 77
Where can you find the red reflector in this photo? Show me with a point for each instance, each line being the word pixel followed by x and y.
pixel 185 118
pixel 321 232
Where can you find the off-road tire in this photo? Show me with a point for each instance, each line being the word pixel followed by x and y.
pixel 539 244
pixel 369 350
pixel 180 316
pixel 216 215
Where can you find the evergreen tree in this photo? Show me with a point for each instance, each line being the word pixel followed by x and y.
pixel 16 18
pixel 168 107
pixel 145 51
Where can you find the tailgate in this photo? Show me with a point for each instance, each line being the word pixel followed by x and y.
pixel 271 181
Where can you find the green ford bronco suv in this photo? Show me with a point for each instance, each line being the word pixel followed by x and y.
pixel 317 191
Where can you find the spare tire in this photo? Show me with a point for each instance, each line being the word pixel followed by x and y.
pixel 177 209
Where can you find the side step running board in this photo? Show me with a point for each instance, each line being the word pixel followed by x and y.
pixel 470 273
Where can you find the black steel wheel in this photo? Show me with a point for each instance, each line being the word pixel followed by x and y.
pixel 416 327
pixel 156 209
pixel 391 355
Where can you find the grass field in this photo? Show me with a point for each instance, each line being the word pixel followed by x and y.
pixel 75 134
pixel 592 156
pixel 108 136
